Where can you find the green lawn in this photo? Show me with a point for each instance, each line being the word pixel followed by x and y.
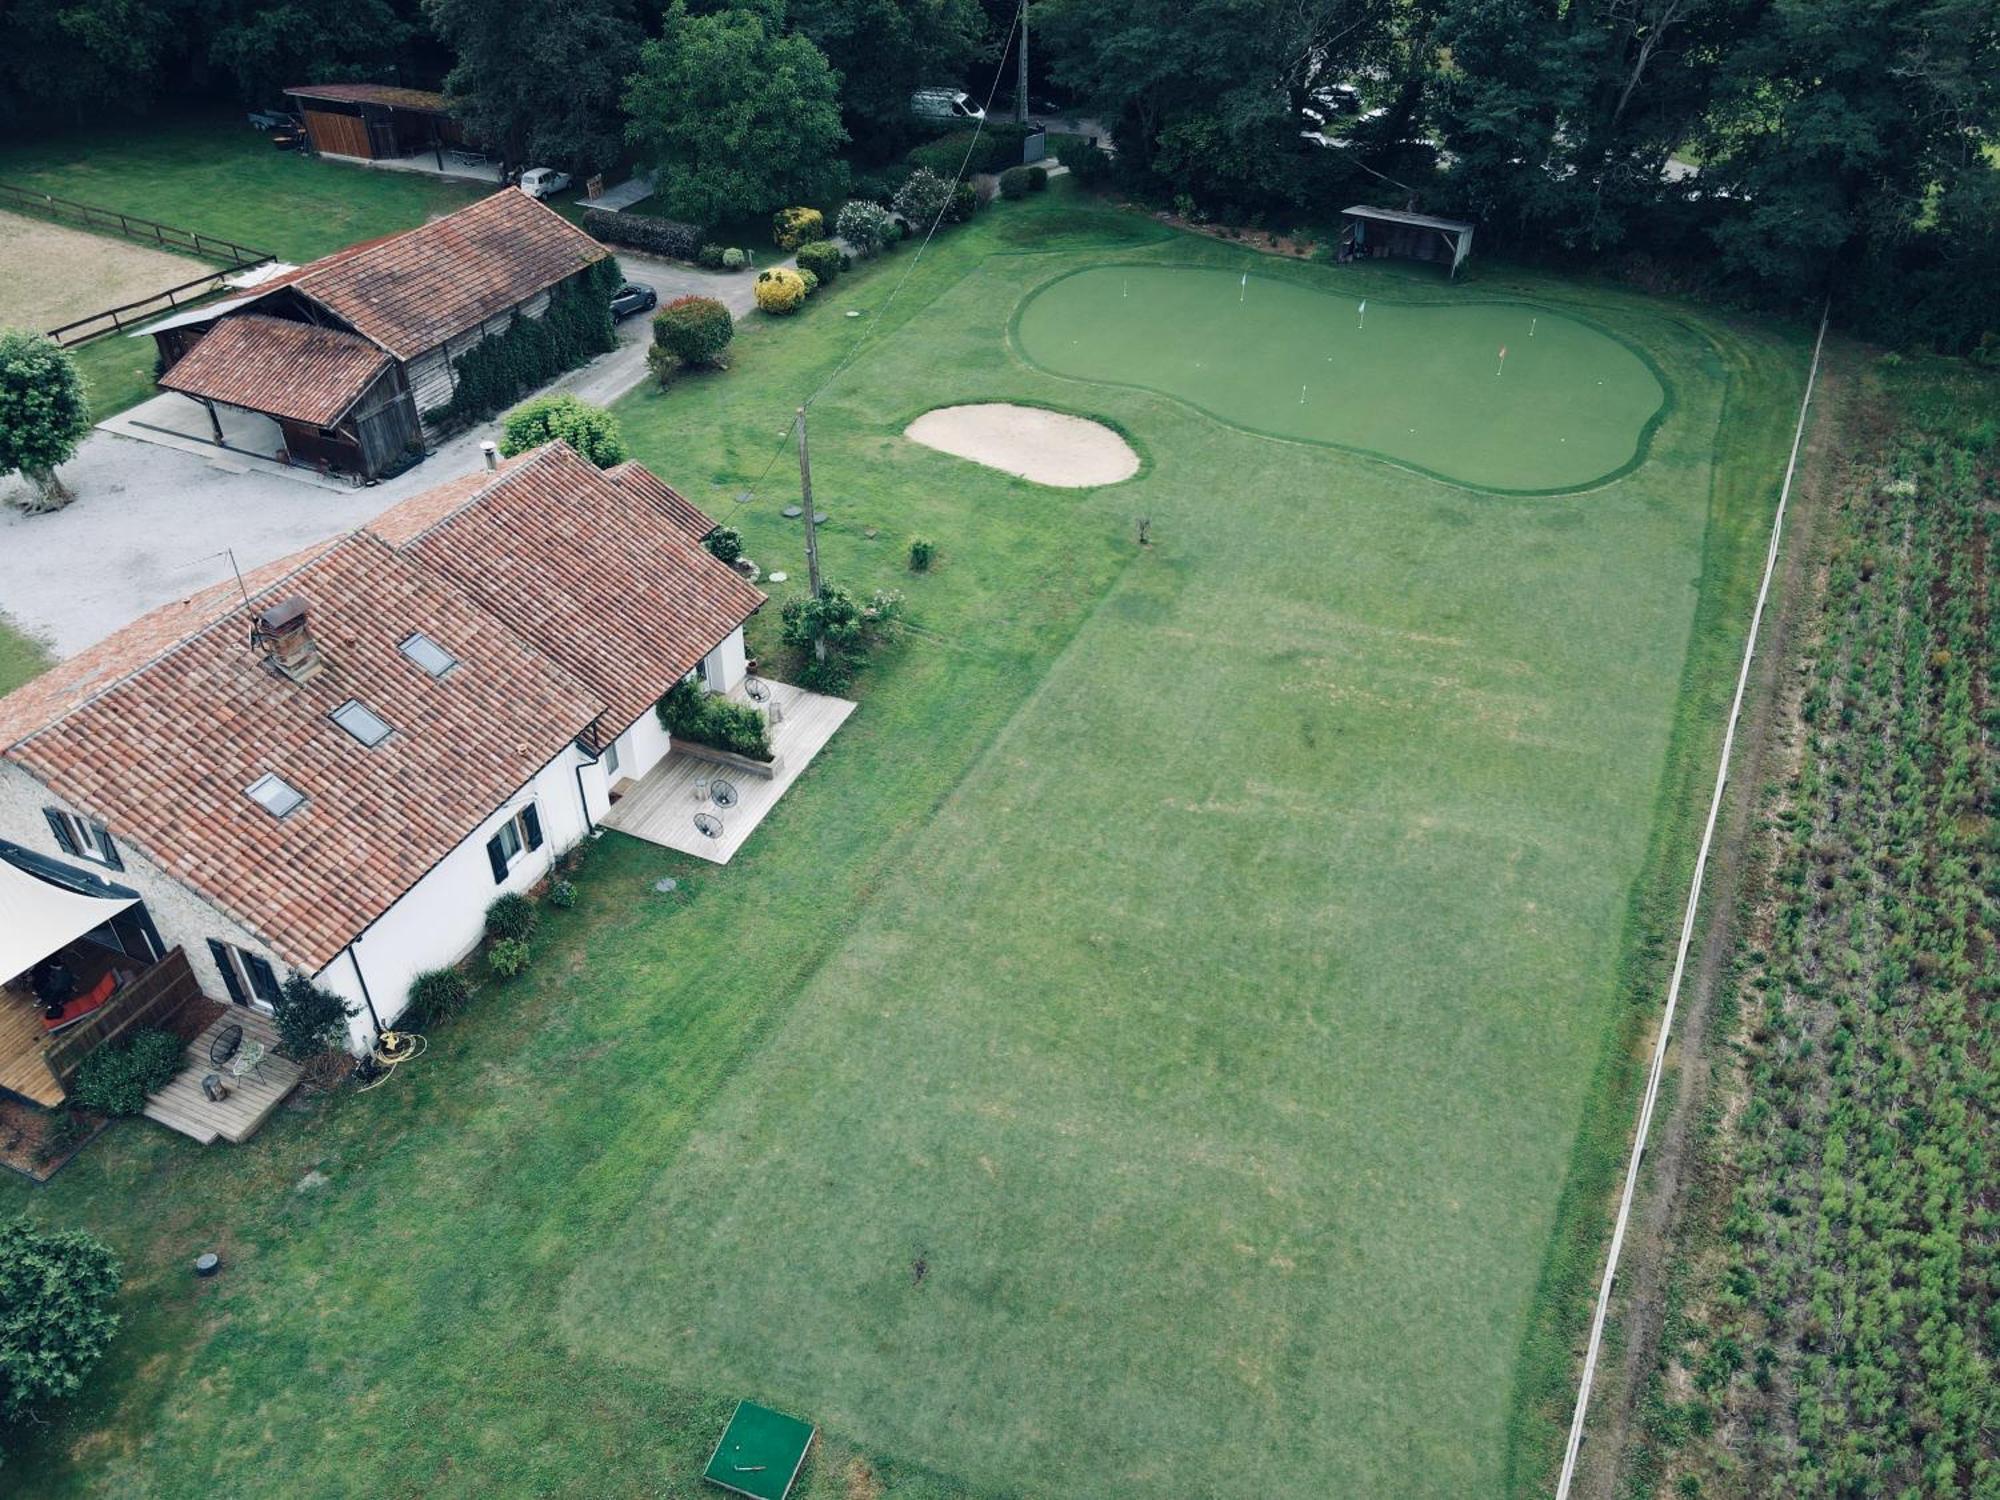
pixel 21 657
pixel 1210 961
pixel 215 175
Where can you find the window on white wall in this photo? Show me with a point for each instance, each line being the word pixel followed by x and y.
pixel 83 837
pixel 611 759
pixel 246 975
pixel 517 836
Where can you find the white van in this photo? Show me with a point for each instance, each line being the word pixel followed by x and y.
pixel 944 104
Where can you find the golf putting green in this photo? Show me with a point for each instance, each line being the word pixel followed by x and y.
pixel 1418 383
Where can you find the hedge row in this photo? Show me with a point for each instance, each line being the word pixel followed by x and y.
pixel 496 372
pixel 995 148
pixel 668 237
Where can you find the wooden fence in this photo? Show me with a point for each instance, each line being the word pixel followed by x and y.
pixel 153 999
pixel 233 258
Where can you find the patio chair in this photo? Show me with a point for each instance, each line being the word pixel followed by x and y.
pixel 248 1059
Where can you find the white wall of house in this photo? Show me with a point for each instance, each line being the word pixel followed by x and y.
pixel 727 665
pixel 183 919
pixel 441 919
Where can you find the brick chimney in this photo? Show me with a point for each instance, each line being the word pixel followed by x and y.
pixel 283 630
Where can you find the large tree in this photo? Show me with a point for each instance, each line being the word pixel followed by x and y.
pixel 79 58
pixel 885 50
pixel 265 47
pixel 44 414
pixel 1844 124
pixel 736 117
pixel 538 80
pixel 56 1289
pixel 1209 98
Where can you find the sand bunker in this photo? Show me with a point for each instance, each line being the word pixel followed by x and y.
pixel 1026 441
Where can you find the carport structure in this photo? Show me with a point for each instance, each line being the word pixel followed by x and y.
pixel 339 402
pixel 1396 231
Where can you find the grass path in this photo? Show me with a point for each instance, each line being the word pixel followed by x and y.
pixel 1154 906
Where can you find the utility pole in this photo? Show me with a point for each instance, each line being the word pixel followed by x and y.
pixel 812 529
pixel 1021 81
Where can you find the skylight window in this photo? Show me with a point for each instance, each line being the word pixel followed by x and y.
pixel 275 795
pixel 429 655
pixel 361 721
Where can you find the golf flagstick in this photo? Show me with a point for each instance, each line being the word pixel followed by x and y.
pixel 1244 288
pixel 1503 362
pixel 1361 313
pixel 1531 326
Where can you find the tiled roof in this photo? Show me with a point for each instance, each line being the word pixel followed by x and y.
pixel 412 291
pixel 279 366
pixel 581 566
pixel 561 593
pixel 371 93
pixel 663 497
pixel 163 754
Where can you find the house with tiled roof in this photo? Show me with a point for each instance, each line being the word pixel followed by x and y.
pixel 336 364
pixel 335 764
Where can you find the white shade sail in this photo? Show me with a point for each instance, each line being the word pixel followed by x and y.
pixel 37 918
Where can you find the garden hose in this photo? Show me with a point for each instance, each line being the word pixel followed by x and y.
pixel 391 1050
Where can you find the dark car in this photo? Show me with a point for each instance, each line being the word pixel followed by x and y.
pixel 633 297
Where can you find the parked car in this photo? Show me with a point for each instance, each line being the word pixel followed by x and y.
pixel 287 139
pixel 543 182
pixel 633 297
pixel 944 104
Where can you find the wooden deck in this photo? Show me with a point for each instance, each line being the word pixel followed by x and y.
pixel 662 807
pixel 182 1106
pixel 23 1069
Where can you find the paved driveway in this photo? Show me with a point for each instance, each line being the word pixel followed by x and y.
pixel 153 516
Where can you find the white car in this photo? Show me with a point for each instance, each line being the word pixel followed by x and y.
pixel 543 182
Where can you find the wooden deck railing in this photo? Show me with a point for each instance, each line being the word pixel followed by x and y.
pixel 153 999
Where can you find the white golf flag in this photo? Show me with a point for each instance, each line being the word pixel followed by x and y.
pixel 1246 278
pixel 1363 308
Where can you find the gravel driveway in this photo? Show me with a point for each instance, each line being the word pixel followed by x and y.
pixel 151 521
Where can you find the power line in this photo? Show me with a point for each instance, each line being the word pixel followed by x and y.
pixel 875 317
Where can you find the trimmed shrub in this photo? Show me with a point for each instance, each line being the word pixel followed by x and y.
pixel 57 1287
pixel 922 549
pixel 511 916
pixel 866 226
pixel 311 1021
pixel 1014 182
pixel 668 237
pixel 694 330
pixel 1090 167
pixel 993 149
pixel 734 259
pixel 690 712
pixel 591 430
pixel 811 279
pixel 562 895
pixel 437 995
pixel 115 1079
pixel 780 292
pixel 793 227
pixel 725 544
pixel 824 259
pixel 922 198
pixel 709 257
pixel 508 957
pixel 965 202
pixel 1038 179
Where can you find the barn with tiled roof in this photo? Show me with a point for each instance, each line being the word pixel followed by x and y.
pixel 344 358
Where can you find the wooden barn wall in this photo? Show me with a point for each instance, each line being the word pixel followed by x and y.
pixel 430 374
pixel 341 135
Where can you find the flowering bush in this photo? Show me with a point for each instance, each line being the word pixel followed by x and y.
pixel 780 291
pixel 866 226
pixel 922 198
pixel 793 227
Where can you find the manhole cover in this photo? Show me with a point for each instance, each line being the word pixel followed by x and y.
pixel 708 825
pixel 820 518
pixel 723 792
pixel 793 512
pixel 667 885
pixel 780 576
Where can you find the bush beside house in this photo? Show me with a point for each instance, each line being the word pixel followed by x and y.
pixel 115 1079
pixel 57 1288
pixel 690 712
pixel 591 430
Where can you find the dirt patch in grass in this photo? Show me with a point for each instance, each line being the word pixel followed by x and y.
pixel 1029 443
pixel 56 274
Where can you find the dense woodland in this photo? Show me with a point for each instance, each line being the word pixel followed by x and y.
pixel 1766 152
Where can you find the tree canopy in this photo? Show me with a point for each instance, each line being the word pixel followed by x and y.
pixel 44 413
pixel 735 116
pixel 56 1289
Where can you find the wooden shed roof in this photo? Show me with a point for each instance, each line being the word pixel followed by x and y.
pixel 372 93
pixel 282 368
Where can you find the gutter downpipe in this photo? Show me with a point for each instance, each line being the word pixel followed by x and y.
pixel 366 998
